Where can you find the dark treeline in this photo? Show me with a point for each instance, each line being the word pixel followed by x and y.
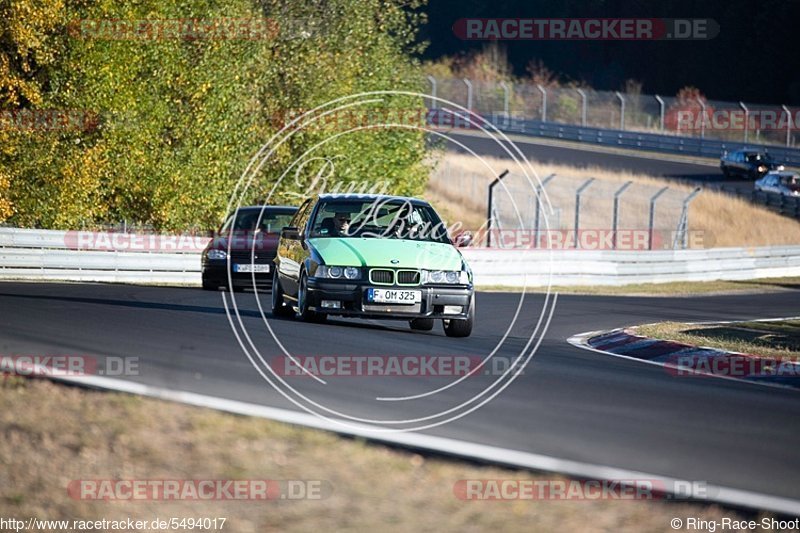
pixel 755 57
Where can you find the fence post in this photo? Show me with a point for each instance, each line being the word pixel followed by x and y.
pixel 489 208
pixel 621 110
pixel 615 214
pixel 583 106
pixel 578 208
pixel 703 118
pixel 653 200
pixel 539 190
pixel 661 114
pixel 469 94
pixel 788 125
pixel 506 97
pixel 683 223
pixel 433 91
pixel 746 120
pixel 544 102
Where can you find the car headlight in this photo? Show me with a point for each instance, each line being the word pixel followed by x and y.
pixel 449 277
pixel 337 272
pixel 762 168
pixel 217 255
pixel 780 167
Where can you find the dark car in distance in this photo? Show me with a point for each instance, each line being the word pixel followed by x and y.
pixel 244 248
pixel 750 164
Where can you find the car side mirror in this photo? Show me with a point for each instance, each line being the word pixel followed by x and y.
pixel 290 233
pixel 464 239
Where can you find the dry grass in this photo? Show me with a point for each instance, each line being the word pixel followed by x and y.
pixel 676 288
pixel 458 186
pixel 53 434
pixel 779 339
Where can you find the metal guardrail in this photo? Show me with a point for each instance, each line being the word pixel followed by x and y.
pixel 784 205
pixel 583 268
pixel 46 258
pixel 673 144
pixel 58 255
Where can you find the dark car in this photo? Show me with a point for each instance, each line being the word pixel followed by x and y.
pixel 783 183
pixel 373 256
pixel 243 250
pixel 750 164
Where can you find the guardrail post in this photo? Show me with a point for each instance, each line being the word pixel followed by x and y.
pixel 469 94
pixel 703 118
pixel 788 124
pixel 653 200
pixel 746 120
pixel 544 102
pixel 621 110
pixel 661 113
pixel 683 224
pixel 615 214
pixel 506 97
pixel 433 91
pixel 539 190
pixel 490 206
pixel 578 209
pixel 583 106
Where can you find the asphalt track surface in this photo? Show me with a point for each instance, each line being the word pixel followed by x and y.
pixel 703 175
pixel 569 403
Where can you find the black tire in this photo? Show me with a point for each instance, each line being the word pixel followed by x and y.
pixel 210 285
pixel 279 307
pixel 421 324
pixel 461 328
pixel 303 311
pixel 726 172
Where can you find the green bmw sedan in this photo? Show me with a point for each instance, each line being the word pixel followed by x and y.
pixel 373 256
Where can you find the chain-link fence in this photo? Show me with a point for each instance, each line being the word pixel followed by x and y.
pixel 689 114
pixel 559 211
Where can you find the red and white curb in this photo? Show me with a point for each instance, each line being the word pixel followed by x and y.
pixel 685 360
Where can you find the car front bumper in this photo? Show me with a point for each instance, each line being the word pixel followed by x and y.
pixel 353 300
pixel 217 272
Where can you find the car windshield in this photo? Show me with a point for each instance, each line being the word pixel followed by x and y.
pixel 756 158
pixel 271 222
pixel 386 218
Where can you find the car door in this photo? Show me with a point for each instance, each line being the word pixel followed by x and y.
pixel 291 251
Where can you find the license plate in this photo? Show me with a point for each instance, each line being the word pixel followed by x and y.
pixel 394 296
pixel 250 268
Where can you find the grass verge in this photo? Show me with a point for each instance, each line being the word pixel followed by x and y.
pixel 779 338
pixel 53 434
pixel 678 288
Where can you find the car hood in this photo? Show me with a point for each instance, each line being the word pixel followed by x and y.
pixel 392 253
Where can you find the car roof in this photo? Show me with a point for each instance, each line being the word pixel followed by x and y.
pixel 331 196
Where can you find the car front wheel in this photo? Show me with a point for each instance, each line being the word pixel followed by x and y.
pixel 421 324
pixel 279 307
pixel 461 328
pixel 303 310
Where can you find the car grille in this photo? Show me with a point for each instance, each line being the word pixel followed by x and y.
pixel 408 277
pixel 381 276
pixel 244 257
